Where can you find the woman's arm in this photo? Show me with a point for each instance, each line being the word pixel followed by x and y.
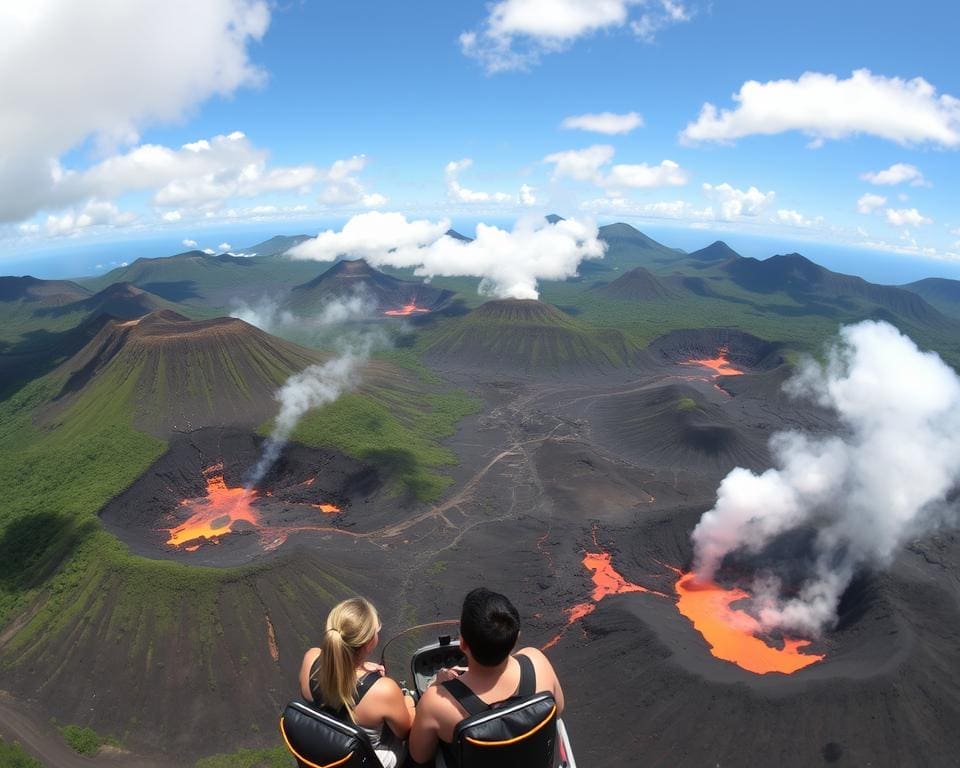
pixel 308 659
pixel 397 707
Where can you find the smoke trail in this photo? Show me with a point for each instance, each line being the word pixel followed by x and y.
pixel 865 492
pixel 267 315
pixel 313 387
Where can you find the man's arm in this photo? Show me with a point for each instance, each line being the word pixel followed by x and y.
pixel 424 734
pixel 546 675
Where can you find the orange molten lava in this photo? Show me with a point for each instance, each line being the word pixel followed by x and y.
pixel 606 581
pixel 405 310
pixel 719 364
pixel 215 514
pixel 731 633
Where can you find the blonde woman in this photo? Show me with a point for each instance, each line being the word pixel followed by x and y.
pixel 338 677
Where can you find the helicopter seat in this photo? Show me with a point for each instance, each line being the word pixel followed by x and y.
pixel 317 739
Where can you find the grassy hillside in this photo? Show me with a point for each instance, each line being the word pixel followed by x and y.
pixel 217 649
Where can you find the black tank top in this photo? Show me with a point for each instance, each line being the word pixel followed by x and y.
pixel 474 705
pixel 364 684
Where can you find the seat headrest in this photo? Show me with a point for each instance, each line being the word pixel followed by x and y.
pixel 520 732
pixel 319 740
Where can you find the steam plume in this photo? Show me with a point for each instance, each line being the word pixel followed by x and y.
pixel 883 480
pixel 313 387
pixel 509 263
pixel 267 314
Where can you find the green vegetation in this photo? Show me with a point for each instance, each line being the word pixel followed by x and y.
pixel 13 756
pixel 686 404
pixel 85 741
pixel 277 757
pixel 397 431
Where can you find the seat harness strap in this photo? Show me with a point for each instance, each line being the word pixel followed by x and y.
pixel 474 705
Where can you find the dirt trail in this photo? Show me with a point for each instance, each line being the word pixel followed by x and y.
pixel 42 741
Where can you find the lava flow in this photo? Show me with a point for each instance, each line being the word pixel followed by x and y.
pixel 732 633
pixel 406 310
pixel 215 514
pixel 720 365
pixel 606 581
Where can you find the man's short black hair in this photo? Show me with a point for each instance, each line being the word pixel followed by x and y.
pixel 490 625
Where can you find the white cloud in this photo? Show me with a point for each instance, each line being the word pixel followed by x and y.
pixel 201 175
pixel 730 203
pixel 510 263
pixel 375 200
pixel 825 107
pixel 528 195
pixel 94 213
pixel 604 122
pixel 171 216
pixel 796 219
pixel 516 33
pixel 224 247
pixel 868 203
pixel 209 251
pixel 67 79
pixel 651 22
pixel 581 164
pixel 898 173
pixel 906 217
pixel 189 243
pixel 460 194
pixel 643 176
pixel 590 165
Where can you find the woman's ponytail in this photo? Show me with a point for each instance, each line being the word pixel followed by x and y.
pixel 350 626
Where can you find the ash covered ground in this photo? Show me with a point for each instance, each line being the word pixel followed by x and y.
pixel 619 466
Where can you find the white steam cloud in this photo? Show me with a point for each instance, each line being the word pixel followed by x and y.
pixel 268 315
pixel 509 263
pixel 315 386
pixel 265 314
pixel 883 480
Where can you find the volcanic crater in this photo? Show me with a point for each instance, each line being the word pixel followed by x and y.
pixel 193 504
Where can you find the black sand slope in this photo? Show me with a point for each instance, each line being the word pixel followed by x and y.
pixel 348 278
pixel 885 695
pixel 675 426
pixel 524 337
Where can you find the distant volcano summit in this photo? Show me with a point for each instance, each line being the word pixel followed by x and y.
pixel 348 278
pixel 176 374
pixel 526 336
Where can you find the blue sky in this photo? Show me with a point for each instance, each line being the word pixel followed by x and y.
pixel 346 108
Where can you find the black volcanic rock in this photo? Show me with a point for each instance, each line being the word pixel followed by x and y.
pixel 717 251
pixel 638 284
pixel 348 277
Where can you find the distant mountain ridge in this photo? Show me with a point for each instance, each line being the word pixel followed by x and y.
pixel 798 276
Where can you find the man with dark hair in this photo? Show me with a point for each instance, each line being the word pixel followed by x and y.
pixel 489 627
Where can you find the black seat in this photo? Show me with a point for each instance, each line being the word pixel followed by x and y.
pixel 520 733
pixel 318 740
